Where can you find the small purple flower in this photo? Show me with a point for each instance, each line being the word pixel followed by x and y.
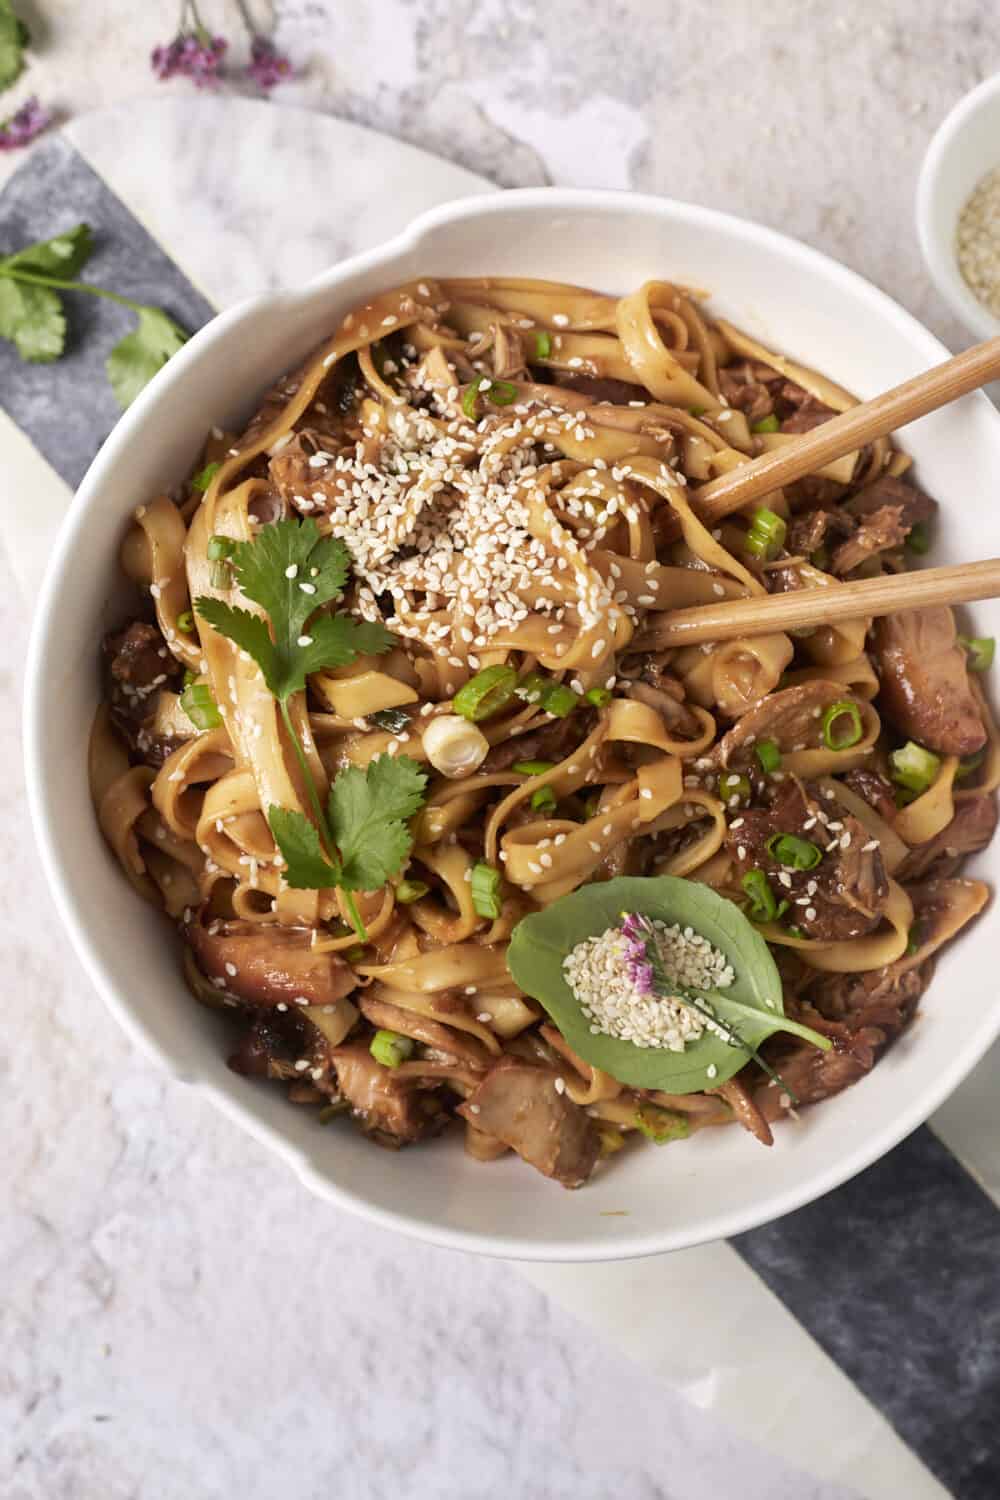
pixel 267 66
pixel 195 55
pixel 636 931
pixel 22 126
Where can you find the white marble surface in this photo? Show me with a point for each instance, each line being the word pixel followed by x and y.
pixel 179 1318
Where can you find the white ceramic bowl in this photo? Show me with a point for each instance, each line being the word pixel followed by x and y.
pixel 722 1181
pixel 965 146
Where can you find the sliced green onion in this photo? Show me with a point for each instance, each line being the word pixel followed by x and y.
pixel 697 411
pixel 732 784
pixel 221 576
pixel 768 755
pixel 980 649
pixel 219 547
pixel 598 697
pixel 793 931
pixel 356 954
pixel 200 707
pixel 470 396
pixel 820 559
pixel 393 719
pixel 766 534
pixel 185 622
pixel 532 767
pixel 485 889
pixel 660 1125
pixel 486 693
pixel 762 905
pixel 543 345
pixel 502 392
pixel 544 800
pixel 913 768
pixel 919 540
pixel 553 697
pixel 560 701
pixel 794 852
pixel 970 763
pixel 592 806
pixel 202 480
pixel 766 424
pixel 914 938
pixel 838 734
pixel 411 890
pixel 390 1049
pixel 189 677
pixel 533 687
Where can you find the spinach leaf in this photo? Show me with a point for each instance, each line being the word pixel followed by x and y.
pixel 751 1005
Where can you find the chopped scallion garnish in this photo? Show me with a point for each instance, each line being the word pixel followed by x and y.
pixel 532 767
pixel 762 906
pixel 918 540
pixel 543 345
pixel 980 650
pixel 733 784
pixel 485 889
pixel 219 547
pixel 394 719
pixel 544 800
pixel 841 725
pixel 200 707
pixel 794 852
pixel 598 697
pixel 408 891
pixel 486 693
pixel 768 755
pixel 221 576
pixel 502 392
pixel 766 534
pixel 185 621
pixel 913 768
pixel 203 479
pixel 390 1048
pixel 766 424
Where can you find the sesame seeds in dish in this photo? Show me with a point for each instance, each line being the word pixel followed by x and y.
pixel 395 690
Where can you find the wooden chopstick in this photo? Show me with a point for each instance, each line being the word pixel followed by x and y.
pixel 802 608
pixel 851 429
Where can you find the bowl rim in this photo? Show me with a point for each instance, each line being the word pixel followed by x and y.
pixel 43 798
pixel 938 253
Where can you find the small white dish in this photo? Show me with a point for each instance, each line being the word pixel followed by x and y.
pixel 965 146
pixel 720 1182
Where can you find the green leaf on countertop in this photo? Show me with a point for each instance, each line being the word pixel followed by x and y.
pixel 752 1005
pixel 142 353
pixel 32 318
pixel 64 255
pixel 14 38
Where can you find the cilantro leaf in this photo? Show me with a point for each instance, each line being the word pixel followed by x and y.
pixel 64 255
pixel 247 631
pixel 306 866
pixel 32 317
pixel 335 640
pixel 134 361
pixel 263 566
pixel 320 564
pixel 14 38
pixel 367 812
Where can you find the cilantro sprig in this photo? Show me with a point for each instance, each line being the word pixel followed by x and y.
pixel 32 316
pixel 360 838
pixel 14 38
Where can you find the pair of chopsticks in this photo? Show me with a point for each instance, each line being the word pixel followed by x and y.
pixel 830 440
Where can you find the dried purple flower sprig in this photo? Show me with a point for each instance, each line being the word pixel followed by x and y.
pixel 24 124
pixel 646 971
pixel 194 52
pixel 197 54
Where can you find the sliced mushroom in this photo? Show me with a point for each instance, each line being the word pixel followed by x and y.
pixel 925 683
pixel 519 1103
pixel 266 964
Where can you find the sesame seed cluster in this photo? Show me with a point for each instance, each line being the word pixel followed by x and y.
pixel 597 971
